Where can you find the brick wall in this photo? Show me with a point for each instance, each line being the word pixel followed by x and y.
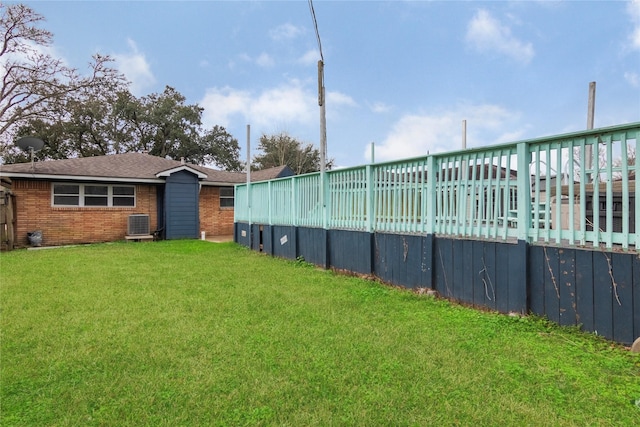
pixel 214 220
pixel 62 226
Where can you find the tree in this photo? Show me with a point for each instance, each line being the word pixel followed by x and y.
pixel 165 126
pixel 35 84
pixel 282 149
pixel 221 149
pixel 95 115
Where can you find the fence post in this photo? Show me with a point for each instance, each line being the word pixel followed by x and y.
pixel 524 189
pixel 636 166
pixel 326 199
pixel 369 198
pixel 294 201
pixel 269 203
pixel 430 196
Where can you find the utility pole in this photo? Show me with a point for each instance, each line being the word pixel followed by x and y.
pixel 590 118
pixel 323 122
pixel 323 117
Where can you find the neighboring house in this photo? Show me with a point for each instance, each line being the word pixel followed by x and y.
pixel 90 199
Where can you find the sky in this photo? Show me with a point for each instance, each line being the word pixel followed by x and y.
pixel 401 74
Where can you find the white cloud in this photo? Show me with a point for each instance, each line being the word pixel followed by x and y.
pixel 340 99
pixel 633 10
pixel 265 60
pixel 416 134
pixel 287 103
pixel 380 107
pixel 310 57
pixel 220 104
pixel 487 34
pixel 285 32
pixel 136 69
pixel 632 78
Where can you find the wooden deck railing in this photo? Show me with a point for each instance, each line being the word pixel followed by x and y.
pixel 539 190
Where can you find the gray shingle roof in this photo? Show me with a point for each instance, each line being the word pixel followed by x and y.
pixel 127 166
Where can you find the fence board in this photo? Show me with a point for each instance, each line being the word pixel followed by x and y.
pixel 428 261
pixel 636 297
pixel 536 280
pixel 584 289
pixel 467 270
pixel 502 280
pixel 312 245
pixel 381 263
pixel 413 259
pixel 242 234
pixel 284 241
pixel 551 290
pixel 518 267
pixel 622 305
pixel 457 273
pixel 351 250
pixel 443 266
pixel 602 295
pixel 479 274
pixel 566 286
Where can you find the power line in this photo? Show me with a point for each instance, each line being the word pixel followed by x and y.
pixel 315 25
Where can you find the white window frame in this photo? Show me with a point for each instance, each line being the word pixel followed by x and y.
pixel 81 195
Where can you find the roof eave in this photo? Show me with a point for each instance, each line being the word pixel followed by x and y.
pixel 80 178
pixel 171 171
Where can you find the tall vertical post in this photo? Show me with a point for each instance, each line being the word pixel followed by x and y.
pixel 590 119
pixel 249 174
pixel 323 141
pixel 524 191
pixel 371 187
pixel 429 216
pixel 464 134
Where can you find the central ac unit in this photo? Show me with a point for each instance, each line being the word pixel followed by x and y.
pixel 138 224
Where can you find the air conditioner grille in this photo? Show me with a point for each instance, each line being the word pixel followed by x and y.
pixel 138 224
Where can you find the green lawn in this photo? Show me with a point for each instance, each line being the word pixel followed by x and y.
pixel 197 333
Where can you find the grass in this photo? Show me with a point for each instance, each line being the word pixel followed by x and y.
pixel 194 333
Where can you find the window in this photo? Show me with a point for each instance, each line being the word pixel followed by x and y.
pixel 94 195
pixel 66 195
pixel 123 196
pixel 226 197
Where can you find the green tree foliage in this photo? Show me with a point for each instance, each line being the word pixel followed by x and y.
pixel 282 149
pixel 221 149
pixel 96 115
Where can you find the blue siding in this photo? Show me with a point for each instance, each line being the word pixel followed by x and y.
pixel 402 259
pixel 312 245
pixel 181 206
pixel 350 250
pixel 284 241
pixel 242 234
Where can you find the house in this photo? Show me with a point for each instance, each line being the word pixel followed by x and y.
pixel 92 199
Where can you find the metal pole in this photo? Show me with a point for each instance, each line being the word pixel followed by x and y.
pixel 249 174
pixel 373 152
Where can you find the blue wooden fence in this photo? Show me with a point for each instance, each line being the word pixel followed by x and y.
pixel 505 227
